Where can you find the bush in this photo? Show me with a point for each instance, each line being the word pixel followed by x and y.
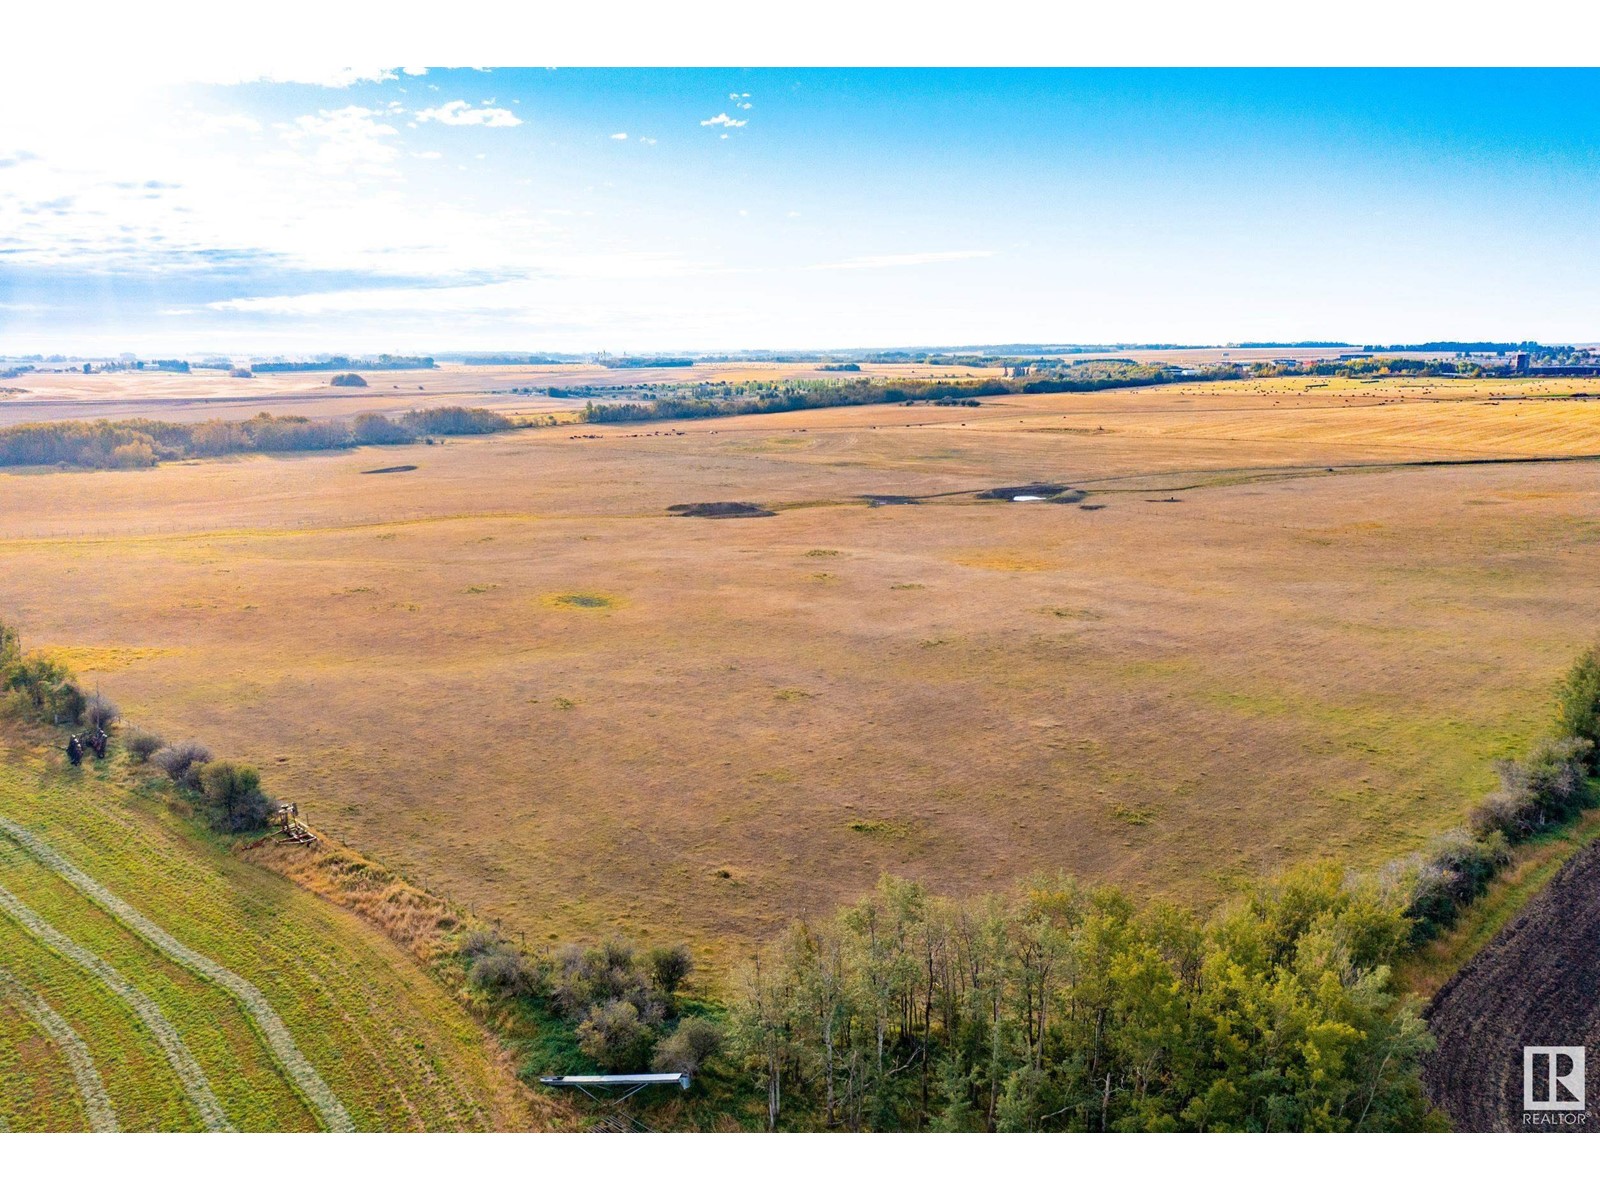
pixel 133 456
pixel 506 971
pixel 495 966
pixel 587 978
pixel 688 1047
pixel 182 762
pixel 1548 787
pixel 1578 712
pixel 141 744
pixel 348 379
pixel 454 421
pixel 615 1037
pixel 374 429
pixel 1449 875
pixel 100 712
pixel 234 800
pixel 669 967
pixel 65 701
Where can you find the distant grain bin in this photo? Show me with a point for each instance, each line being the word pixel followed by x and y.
pixel 1519 361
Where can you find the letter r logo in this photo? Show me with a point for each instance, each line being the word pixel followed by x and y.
pixel 1552 1078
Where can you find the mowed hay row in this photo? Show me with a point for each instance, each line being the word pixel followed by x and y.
pixel 395 1048
pixel 38 1092
pixel 145 1093
pixel 240 1071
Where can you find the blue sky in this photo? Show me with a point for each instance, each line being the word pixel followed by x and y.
pixel 634 210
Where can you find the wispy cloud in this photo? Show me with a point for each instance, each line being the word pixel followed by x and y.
pixel 619 137
pixel 724 119
pixel 352 137
pixel 459 112
pixel 869 262
pixel 740 99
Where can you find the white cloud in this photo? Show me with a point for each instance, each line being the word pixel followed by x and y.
pixel 619 137
pixel 229 123
pixel 339 77
pixel 872 261
pixel 413 70
pixel 644 141
pixel 346 138
pixel 725 119
pixel 459 112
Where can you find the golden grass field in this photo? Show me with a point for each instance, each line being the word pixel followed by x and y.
pixel 511 674
pixel 205 395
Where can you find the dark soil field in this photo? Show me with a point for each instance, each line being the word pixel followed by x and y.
pixel 1536 984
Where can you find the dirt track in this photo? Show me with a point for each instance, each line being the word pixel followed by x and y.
pixel 1536 984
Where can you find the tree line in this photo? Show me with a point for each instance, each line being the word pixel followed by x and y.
pixel 138 443
pixel 691 401
pixel 1060 1007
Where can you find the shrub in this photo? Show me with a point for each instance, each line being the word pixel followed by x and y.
pixel 586 978
pixel 65 701
pixel 234 800
pixel 348 379
pixel 133 456
pixel 688 1046
pixel 142 744
pixel 506 971
pixel 375 429
pixel 1579 705
pixel 1548 787
pixel 455 421
pixel 182 762
pixel 496 966
pixel 10 649
pixel 669 967
pixel 101 712
pixel 1450 874
pixel 615 1037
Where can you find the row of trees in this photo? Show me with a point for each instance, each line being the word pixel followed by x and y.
pixel 1544 790
pixel 141 443
pixel 227 795
pixel 689 401
pixel 1064 1008
pixel 1058 1007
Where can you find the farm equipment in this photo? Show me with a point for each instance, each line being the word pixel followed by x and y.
pixel 291 828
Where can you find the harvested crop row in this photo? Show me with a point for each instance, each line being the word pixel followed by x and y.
pixel 392 1043
pixel 249 1082
pixel 301 1073
pixel 195 1084
pixel 91 1089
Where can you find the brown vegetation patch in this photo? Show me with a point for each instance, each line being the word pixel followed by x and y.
pixel 411 917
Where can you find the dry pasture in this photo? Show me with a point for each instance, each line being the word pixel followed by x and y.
pixel 512 674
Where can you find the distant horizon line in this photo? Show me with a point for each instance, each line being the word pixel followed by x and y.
pixel 738 353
